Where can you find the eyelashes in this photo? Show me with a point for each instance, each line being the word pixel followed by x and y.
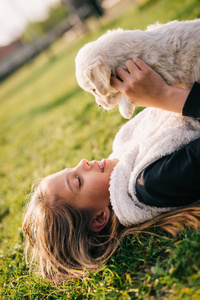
pixel 79 181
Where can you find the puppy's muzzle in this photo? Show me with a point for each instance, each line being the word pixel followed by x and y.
pixel 109 101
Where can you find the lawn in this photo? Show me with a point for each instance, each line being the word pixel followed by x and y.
pixel 48 123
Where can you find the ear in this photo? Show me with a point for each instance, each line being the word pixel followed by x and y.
pixel 100 219
pixel 99 75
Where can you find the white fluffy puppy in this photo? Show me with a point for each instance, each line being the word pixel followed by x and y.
pixel 172 49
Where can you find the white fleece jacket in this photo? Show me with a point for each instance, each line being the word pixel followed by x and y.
pixel 153 133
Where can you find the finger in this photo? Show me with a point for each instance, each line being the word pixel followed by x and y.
pixel 141 64
pixel 132 67
pixel 116 83
pixel 121 73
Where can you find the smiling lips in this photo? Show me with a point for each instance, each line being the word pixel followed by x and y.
pixel 101 164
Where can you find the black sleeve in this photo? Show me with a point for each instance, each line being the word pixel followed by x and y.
pixel 191 107
pixel 173 180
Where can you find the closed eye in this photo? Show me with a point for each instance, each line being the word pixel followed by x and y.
pixel 79 181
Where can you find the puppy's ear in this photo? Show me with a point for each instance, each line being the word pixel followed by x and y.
pixel 99 75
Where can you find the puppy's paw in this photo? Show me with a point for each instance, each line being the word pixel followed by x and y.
pixel 126 107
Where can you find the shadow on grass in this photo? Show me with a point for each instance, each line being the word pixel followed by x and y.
pixel 188 10
pixel 146 4
pixel 54 104
pixel 4 213
pixel 39 72
pixel 39 110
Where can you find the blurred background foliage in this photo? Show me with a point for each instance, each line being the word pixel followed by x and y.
pixel 55 15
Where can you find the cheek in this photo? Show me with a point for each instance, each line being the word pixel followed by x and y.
pixel 104 185
pixel 98 185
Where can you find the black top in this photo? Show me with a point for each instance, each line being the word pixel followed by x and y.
pixel 174 180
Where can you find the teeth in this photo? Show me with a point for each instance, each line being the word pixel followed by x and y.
pixel 101 166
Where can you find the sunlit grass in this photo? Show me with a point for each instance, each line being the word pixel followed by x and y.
pixel 48 123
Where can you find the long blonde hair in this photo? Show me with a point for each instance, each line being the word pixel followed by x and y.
pixel 61 241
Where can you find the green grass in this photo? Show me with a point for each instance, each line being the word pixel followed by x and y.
pixel 48 123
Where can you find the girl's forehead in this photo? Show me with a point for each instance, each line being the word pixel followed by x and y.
pixel 49 189
pixel 45 184
pixel 66 170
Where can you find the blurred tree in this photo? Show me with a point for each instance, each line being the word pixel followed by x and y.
pixel 96 7
pixel 56 14
pixel 84 8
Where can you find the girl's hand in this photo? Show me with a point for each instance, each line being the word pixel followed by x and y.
pixel 145 87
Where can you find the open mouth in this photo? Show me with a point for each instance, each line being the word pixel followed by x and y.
pixel 102 164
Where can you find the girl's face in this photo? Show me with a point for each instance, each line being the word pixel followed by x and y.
pixel 85 186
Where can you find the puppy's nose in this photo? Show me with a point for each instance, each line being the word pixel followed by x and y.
pixel 100 105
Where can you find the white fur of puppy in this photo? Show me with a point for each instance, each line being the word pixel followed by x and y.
pixel 171 49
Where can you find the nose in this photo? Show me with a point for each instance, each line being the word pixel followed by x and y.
pixel 85 164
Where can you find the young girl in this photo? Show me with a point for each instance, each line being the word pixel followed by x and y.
pixel 76 217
